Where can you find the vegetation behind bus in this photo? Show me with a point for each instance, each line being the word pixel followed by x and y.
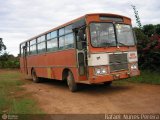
pixel 148 43
pixel 9 61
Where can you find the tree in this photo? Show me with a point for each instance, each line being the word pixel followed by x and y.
pixel 157 28
pixel 2 46
pixel 138 21
pixel 149 30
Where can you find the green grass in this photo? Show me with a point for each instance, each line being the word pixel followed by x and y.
pixel 10 85
pixel 146 77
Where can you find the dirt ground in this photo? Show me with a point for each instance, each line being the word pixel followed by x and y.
pixel 54 97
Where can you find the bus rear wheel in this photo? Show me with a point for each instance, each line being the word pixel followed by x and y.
pixel 71 82
pixel 34 77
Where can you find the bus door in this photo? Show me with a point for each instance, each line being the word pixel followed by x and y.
pixel 81 46
pixel 25 58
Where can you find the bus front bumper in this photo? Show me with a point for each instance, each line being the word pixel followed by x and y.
pixel 113 76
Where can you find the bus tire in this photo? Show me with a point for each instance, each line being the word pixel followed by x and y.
pixel 71 82
pixel 108 83
pixel 34 77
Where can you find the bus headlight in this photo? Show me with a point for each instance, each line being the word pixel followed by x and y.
pixel 100 71
pixel 103 71
pixel 134 67
pixel 97 71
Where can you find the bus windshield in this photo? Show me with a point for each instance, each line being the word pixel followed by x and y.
pixel 103 35
pixel 124 35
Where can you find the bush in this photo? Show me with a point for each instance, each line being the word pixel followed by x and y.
pixel 9 61
pixel 151 54
pixel 149 47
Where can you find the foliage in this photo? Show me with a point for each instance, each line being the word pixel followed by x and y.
pixel 151 30
pixel 2 46
pixel 151 54
pixel 138 21
pixel 9 61
pixel 148 43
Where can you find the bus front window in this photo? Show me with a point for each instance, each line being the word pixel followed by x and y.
pixel 124 35
pixel 102 34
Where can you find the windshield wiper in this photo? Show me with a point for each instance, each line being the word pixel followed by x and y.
pixel 121 44
pixel 108 44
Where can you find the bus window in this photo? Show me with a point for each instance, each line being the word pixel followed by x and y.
pixel 32 42
pixel 22 45
pixel 41 44
pixel 69 41
pixel 33 49
pixel 48 36
pixel 61 31
pixel 52 44
pixel 53 34
pixel 102 34
pixel 61 43
pixel 41 39
pixel 68 29
pixel 28 48
pixel 41 47
pixel 124 35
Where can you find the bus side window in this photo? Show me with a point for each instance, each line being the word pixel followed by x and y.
pixel 41 44
pixel 41 47
pixel 61 43
pixel 69 41
pixel 52 44
pixel 21 47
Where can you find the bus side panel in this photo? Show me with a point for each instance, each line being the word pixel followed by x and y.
pixel 60 60
pixel 38 63
pixel 51 65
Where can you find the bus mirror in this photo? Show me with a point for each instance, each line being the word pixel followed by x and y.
pixel 80 35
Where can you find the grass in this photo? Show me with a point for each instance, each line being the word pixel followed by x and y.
pixel 146 77
pixel 10 86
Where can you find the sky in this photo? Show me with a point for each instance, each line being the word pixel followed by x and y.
pixel 23 19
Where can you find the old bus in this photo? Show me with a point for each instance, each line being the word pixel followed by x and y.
pixel 95 48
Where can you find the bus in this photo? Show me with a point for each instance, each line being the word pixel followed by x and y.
pixel 92 49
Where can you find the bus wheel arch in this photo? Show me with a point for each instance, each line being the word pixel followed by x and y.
pixel 34 76
pixel 65 74
pixel 69 77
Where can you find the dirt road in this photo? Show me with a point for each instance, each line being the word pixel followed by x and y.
pixel 54 97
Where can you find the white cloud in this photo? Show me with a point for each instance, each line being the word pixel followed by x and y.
pixel 22 19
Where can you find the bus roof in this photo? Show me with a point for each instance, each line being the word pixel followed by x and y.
pixel 75 20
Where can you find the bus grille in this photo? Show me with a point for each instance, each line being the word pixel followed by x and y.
pixel 118 62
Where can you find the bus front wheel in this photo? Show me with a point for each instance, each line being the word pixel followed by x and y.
pixel 71 82
pixel 108 83
pixel 34 77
